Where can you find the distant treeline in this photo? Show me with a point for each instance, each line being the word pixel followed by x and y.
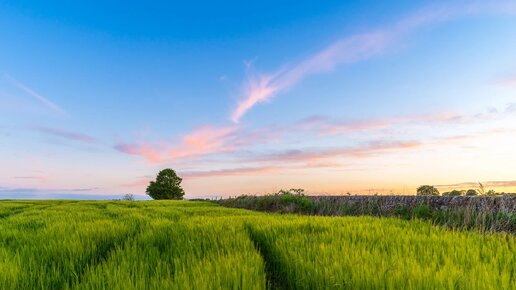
pixel 431 190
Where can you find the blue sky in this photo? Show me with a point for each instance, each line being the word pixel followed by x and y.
pixel 96 97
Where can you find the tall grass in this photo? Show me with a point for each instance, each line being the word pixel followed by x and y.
pixel 200 245
pixel 371 253
pixel 126 245
pixel 484 213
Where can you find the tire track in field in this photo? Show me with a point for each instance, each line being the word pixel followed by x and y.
pixel 23 209
pixel 100 257
pixel 275 279
pixel 12 212
pixel 104 253
pixel 133 236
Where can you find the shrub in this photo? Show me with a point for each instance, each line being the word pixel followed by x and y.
pixel 427 190
pixel 403 212
pixel 454 193
pixel 471 192
pixel 491 192
pixel 128 196
pixel 422 211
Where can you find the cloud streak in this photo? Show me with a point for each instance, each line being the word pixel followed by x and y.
pixel 46 102
pixel 321 154
pixel 256 170
pixel 72 136
pixel 262 87
pixel 201 141
pixel 259 88
pixel 328 126
pixel 509 82
pixel 51 193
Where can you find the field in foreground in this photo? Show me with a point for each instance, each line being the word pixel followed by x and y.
pixel 199 245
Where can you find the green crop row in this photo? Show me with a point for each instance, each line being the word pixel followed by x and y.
pixel 200 245
pixel 372 253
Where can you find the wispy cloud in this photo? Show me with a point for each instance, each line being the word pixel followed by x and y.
pixel 51 193
pixel 256 170
pixel 510 81
pixel 288 161
pixel 149 152
pixel 204 140
pixel 329 126
pixel 73 136
pixel 320 154
pixel 84 189
pixel 261 87
pixel 46 102
pixel 241 171
pixel 30 177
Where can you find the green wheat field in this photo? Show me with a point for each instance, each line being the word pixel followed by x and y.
pixel 200 245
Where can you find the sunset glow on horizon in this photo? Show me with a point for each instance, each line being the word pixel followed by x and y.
pixel 245 98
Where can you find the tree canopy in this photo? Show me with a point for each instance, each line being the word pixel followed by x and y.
pixel 471 192
pixel 427 190
pixel 166 186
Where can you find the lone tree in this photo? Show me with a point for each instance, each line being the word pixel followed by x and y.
pixel 166 186
pixel 427 190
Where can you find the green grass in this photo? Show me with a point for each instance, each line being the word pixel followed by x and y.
pixel 200 245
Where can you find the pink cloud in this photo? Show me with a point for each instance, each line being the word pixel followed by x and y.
pixel 510 82
pixel 231 172
pixel 201 141
pixel 328 126
pixel 292 160
pixel 204 140
pixel 73 136
pixel 141 182
pixel 30 177
pixel 257 170
pixel 258 89
pixel 146 151
pixel 319 154
pixel 212 140
pixel 474 136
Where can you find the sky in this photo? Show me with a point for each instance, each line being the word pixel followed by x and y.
pixel 249 97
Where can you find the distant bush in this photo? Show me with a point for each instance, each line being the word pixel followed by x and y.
pixel 471 192
pixel 491 193
pixel 286 201
pixel 128 196
pixel 427 190
pixel 422 211
pixel 454 193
